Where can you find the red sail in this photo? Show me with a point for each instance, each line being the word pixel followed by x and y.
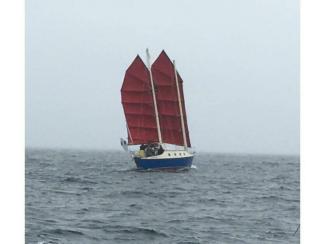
pixel 167 101
pixel 138 104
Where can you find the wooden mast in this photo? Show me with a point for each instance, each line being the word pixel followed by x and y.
pixel 154 96
pixel 180 106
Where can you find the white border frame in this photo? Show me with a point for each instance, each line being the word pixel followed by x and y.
pixel 12 123
pixel 312 121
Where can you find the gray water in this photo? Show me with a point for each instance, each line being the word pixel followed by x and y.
pixel 98 197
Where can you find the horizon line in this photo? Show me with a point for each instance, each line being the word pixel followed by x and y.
pixel 197 151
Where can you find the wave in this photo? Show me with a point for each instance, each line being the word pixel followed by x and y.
pixel 78 180
pixel 134 230
pixel 65 192
pixel 63 232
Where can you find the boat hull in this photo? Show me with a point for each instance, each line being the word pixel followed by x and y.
pixel 163 163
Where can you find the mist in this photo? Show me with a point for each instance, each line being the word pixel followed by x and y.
pixel 239 61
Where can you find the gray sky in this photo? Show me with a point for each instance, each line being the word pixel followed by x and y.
pixel 239 61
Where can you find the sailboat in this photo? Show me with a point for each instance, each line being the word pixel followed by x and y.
pixel 154 107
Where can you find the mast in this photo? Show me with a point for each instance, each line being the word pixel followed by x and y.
pixel 154 96
pixel 180 106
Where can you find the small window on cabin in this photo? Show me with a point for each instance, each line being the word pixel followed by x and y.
pixel 168 154
pixel 175 154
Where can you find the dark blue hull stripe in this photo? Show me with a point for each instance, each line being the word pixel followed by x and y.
pixel 185 162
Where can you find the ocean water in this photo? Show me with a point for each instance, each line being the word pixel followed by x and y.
pixel 89 197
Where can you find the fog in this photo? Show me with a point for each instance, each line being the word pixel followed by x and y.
pixel 239 61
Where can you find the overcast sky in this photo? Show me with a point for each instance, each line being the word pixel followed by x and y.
pixel 239 61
